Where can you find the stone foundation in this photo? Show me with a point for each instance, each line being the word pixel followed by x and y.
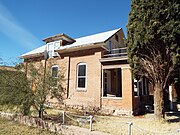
pixel 51 126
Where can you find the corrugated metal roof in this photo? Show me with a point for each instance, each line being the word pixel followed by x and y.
pixel 96 38
pixel 35 51
pixel 83 41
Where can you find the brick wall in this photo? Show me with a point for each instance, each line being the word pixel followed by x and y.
pixel 123 104
pixel 91 95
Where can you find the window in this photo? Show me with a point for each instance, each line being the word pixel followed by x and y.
pixel 81 75
pixel 54 74
pixel 138 87
pixel 54 71
pixel 110 46
pixel 50 50
pixel 50 47
pixel 136 91
pixel 117 38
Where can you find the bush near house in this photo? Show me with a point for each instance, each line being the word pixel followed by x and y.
pixel 15 89
pixel 25 89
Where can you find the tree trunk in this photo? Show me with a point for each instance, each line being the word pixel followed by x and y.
pixel 40 113
pixel 158 102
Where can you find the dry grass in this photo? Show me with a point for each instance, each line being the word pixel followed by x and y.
pixel 13 128
pixel 145 125
pixel 142 125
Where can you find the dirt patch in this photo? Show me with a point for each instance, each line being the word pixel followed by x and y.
pixel 141 125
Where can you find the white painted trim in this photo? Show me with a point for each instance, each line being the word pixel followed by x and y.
pixel 125 66
pixel 79 88
pixel 118 98
pixel 137 88
pixel 170 97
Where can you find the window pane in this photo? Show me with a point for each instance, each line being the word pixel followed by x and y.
pixel 82 70
pixel 54 72
pixel 50 54
pixel 54 82
pixel 81 82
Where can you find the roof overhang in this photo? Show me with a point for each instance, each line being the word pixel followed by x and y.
pixel 32 55
pixel 80 47
pixel 59 37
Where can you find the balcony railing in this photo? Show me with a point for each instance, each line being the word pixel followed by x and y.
pixel 117 52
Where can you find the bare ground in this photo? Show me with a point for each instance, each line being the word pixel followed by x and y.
pixel 141 125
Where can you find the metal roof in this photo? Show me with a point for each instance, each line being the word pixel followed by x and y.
pixel 83 41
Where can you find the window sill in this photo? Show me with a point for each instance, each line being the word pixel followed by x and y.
pixel 118 98
pixel 81 89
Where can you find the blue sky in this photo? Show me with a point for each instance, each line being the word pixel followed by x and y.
pixel 24 23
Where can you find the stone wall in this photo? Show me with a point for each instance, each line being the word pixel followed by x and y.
pixel 51 126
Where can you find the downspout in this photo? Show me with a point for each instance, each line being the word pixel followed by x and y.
pixel 26 65
pixel 68 77
pixel 101 89
pixel 101 81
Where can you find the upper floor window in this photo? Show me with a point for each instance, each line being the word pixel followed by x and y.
pixel 117 38
pixel 110 45
pixel 51 47
pixel 50 50
pixel 81 75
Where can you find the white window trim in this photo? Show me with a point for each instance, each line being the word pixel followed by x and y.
pixel 80 88
pixel 52 50
pixel 54 67
pixel 137 88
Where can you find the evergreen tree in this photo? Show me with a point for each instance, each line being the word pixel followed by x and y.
pixel 15 90
pixel 153 40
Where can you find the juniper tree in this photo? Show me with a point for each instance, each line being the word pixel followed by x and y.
pixel 15 90
pixel 153 41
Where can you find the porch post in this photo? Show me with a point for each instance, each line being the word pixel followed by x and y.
pixel 102 79
pixel 170 97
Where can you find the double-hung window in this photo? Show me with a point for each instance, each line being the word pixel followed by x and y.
pixel 50 50
pixel 54 74
pixel 81 75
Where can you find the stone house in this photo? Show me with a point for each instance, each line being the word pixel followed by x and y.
pixel 97 71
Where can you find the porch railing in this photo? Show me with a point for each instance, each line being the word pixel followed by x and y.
pixel 117 52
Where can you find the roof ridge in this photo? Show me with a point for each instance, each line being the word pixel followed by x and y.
pixel 99 33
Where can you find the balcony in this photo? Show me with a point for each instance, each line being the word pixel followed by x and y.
pixel 117 52
pixel 114 55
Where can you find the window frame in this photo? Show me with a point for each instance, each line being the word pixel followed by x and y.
pixel 77 78
pixel 136 81
pixel 54 66
pixel 50 51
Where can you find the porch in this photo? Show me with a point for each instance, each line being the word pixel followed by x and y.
pixel 119 90
pixel 117 93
